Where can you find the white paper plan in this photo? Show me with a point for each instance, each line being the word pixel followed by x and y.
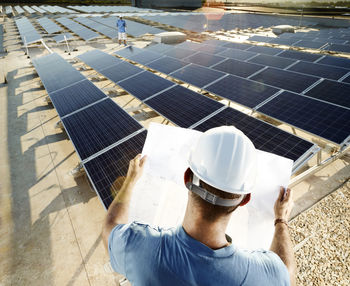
pixel 160 196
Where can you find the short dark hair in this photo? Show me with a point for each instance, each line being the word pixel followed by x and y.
pixel 209 211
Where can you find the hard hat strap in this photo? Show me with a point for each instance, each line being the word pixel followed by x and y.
pixel 211 198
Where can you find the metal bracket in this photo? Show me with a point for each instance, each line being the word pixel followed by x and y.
pixel 59 125
pixel 48 100
pixel 78 171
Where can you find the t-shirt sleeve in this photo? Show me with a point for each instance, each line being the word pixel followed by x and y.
pixel 141 237
pixel 266 268
pixel 117 242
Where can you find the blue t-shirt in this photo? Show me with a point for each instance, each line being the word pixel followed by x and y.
pixel 155 256
pixel 121 26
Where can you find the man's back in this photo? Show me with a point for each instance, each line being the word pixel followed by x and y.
pixel 121 25
pixel 150 256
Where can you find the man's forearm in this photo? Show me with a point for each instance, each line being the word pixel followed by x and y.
pixel 283 247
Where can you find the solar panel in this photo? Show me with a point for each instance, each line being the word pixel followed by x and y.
pixel 322 119
pixel 281 41
pixel 285 79
pixel 145 57
pixel 236 67
pixel 264 50
pixel 319 70
pixel 76 96
pixel 145 85
pixel 121 71
pixel 210 49
pixel 272 61
pixel 299 56
pixel 111 165
pixel 332 91
pixel 242 91
pixel 309 44
pixel 62 37
pixel 128 52
pixel 264 136
pixel 334 61
pixel 236 54
pixel 167 64
pixel 197 75
pixel 49 26
pixel 99 60
pixel 159 48
pixel 98 126
pixel 338 48
pixel 61 76
pixel 189 45
pixel 214 42
pixel 256 38
pixel 83 32
pixel 179 53
pixel 237 46
pixel 204 59
pixel 182 106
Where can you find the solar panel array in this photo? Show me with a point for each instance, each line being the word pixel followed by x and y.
pixel 96 125
pixel 29 10
pixel 329 39
pixel 109 9
pixel 38 9
pixel 49 26
pixel 19 10
pixel 27 32
pixel 258 85
pixel 225 21
pixel 8 10
pixel 187 108
pixel 62 37
pixel 105 30
pixel 83 32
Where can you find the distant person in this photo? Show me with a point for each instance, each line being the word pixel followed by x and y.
pixel 121 30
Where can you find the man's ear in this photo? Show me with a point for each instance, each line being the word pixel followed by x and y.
pixel 188 176
pixel 245 200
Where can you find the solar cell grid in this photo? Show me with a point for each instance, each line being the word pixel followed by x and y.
pixel 99 60
pixel 334 61
pixel 285 79
pixel 332 91
pixel 242 91
pixel 347 79
pixel 76 96
pixel 128 52
pixel 319 70
pixel 197 75
pixel 159 48
pixel 264 136
pixel 120 71
pixel 98 126
pixel 106 168
pixel 145 85
pixel 264 50
pixel 299 55
pixel 237 46
pixel 338 48
pixel 167 64
pixel 179 53
pixel 145 57
pixel 63 37
pixel 238 68
pixel 272 61
pixel 325 120
pixel 309 44
pixel 236 54
pixel 204 59
pixel 182 106
pixel 210 49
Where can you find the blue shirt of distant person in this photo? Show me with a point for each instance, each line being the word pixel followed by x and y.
pixel 121 30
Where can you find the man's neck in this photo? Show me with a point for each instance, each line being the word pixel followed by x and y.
pixel 212 234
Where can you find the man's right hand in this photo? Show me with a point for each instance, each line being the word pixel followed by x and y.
pixel 284 204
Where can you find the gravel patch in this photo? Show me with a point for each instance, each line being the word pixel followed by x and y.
pixel 321 236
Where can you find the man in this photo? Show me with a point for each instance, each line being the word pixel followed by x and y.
pixel 121 30
pixel 220 178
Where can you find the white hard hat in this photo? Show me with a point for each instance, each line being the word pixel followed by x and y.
pixel 225 158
